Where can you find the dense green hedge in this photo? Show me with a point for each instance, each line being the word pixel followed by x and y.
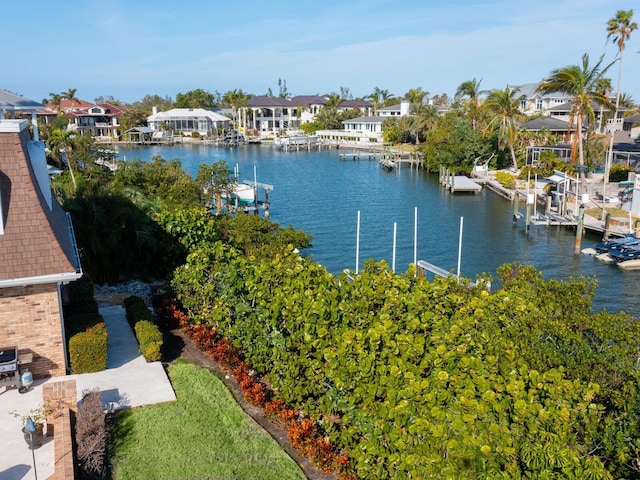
pixel 147 332
pixel 419 379
pixel 150 340
pixel 619 173
pixel 88 350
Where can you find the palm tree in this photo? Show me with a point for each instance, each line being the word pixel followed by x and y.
pixel 603 85
pixel 471 89
pixel 619 30
pixel 378 97
pixel 415 95
pixel 504 106
pixel 55 99
pixel 421 117
pixel 579 81
pixel 626 100
pixel 70 95
pixel 236 99
pixel 61 142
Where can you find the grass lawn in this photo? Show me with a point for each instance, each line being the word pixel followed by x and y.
pixel 204 434
pixel 613 212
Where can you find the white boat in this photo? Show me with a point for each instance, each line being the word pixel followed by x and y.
pixel 242 194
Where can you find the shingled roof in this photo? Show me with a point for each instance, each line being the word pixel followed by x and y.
pixel 36 239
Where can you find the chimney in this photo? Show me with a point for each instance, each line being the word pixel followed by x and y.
pixel 154 110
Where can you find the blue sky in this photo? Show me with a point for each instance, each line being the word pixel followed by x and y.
pixel 127 48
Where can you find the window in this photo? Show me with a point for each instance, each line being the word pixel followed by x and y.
pixel 538 103
pixel 523 104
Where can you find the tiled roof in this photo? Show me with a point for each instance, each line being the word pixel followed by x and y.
pixel 299 100
pixel 309 100
pixel 370 119
pixel 550 123
pixel 268 102
pixel 355 104
pixel 37 239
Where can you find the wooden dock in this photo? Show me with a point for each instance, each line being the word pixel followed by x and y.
pixel 458 183
pixel 359 155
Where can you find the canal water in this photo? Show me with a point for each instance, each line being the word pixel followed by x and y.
pixel 321 194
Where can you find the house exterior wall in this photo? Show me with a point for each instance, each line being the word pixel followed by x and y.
pixel 32 321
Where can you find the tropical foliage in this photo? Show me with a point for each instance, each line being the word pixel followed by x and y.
pixel 581 82
pixel 418 379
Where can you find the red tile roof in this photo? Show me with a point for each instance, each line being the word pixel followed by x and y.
pixel 37 240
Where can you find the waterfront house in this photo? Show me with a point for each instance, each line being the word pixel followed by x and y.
pixel 537 103
pixel 365 107
pixel 38 252
pixel 365 129
pixel 274 114
pixel 101 121
pixel 187 121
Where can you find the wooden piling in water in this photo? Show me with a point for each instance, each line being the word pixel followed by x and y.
pixel 579 229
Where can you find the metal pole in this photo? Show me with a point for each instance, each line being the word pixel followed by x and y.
pixel 460 247
pixel 31 427
pixel 393 257
pixel 415 236
pixel 358 242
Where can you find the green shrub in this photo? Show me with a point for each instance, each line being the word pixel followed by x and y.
pixel 619 173
pixel 79 322
pixel 150 339
pixel 506 180
pixel 88 350
pixel 136 310
pixel 141 320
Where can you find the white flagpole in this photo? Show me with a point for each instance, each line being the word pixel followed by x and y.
pixel 358 243
pixel 415 238
pixel 460 247
pixel 393 261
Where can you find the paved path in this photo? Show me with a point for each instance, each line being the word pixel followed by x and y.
pixel 128 381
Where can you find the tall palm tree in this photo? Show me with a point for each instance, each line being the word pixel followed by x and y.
pixel 236 99
pixel 579 81
pixel 421 117
pixel 619 30
pixel 471 89
pixel 603 85
pixel 504 106
pixel 378 97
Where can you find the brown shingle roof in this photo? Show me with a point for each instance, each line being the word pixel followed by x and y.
pixel 37 239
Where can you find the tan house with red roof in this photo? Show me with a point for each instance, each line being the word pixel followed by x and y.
pixel 38 252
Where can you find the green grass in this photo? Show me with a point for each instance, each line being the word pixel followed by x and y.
pixel 613 212
pixel 204 434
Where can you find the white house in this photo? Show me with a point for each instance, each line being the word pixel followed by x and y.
pixel 273 114
pixel 187 121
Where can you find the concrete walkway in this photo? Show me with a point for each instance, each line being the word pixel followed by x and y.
pixel 128 381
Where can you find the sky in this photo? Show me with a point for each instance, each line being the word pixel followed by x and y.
pixel 131 48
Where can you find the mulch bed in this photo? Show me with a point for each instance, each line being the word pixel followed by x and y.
pixel 177 345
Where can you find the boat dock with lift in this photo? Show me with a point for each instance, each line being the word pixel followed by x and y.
pixel 457 183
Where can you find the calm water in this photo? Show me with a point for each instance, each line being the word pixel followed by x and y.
pixel 321 194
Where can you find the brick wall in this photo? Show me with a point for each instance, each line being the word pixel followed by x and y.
pixel 30 319
pixel 61 398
